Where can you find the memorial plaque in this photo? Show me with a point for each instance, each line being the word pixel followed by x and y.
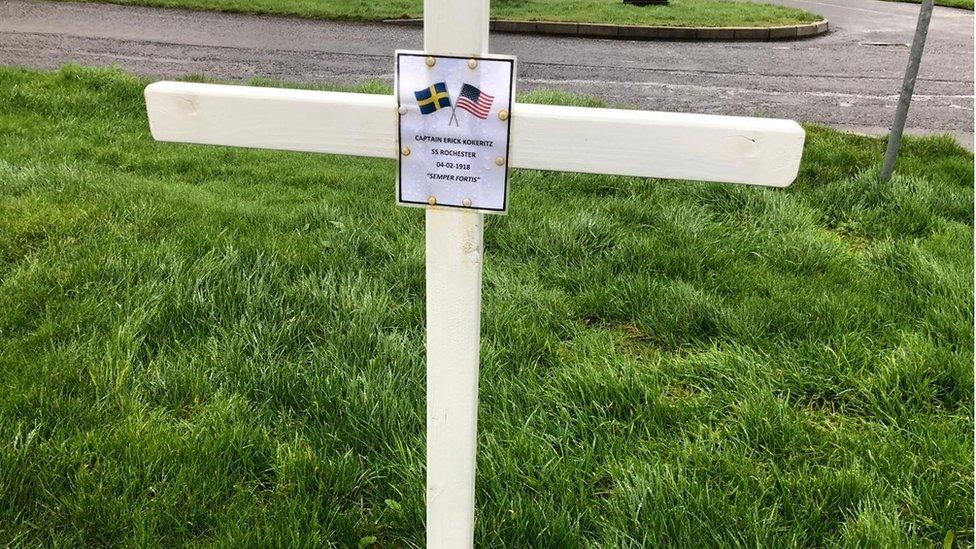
pixel 454 130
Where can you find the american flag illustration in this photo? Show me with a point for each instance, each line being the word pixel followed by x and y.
pixel 475 101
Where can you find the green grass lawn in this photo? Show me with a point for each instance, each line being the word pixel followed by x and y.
pixel 680 13
pixel 222 346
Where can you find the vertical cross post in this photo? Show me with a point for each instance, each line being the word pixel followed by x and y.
pixel 454 261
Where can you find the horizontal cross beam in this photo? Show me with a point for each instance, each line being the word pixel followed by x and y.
pixel 752 151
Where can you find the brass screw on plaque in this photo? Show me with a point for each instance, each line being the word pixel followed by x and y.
pixel 405 151
pixel 431 61
pixel 503 114
pixel 472 63
pixel 432 200
pixel 402 110
pixel 466 202
pixel 500 161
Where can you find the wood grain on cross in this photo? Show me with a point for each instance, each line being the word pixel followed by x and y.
pixel 606 141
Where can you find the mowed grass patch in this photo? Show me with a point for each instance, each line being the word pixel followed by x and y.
pixel 678 13
pixel 223 346
pixel 963 4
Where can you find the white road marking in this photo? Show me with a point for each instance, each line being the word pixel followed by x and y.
pixel 842 6
pixel 737 89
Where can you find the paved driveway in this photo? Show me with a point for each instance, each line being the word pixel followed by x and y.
pixel 849 78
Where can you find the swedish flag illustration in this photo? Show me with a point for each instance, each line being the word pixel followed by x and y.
pixel 433 98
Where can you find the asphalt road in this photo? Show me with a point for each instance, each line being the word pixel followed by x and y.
pixel 849 78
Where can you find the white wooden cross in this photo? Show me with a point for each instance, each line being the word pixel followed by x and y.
pixel 605 141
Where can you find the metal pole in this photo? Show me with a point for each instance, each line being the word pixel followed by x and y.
pixel 907 89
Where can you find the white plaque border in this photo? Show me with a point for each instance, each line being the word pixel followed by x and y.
pixel 508 144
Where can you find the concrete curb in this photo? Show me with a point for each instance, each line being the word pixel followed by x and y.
pixel 635 32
